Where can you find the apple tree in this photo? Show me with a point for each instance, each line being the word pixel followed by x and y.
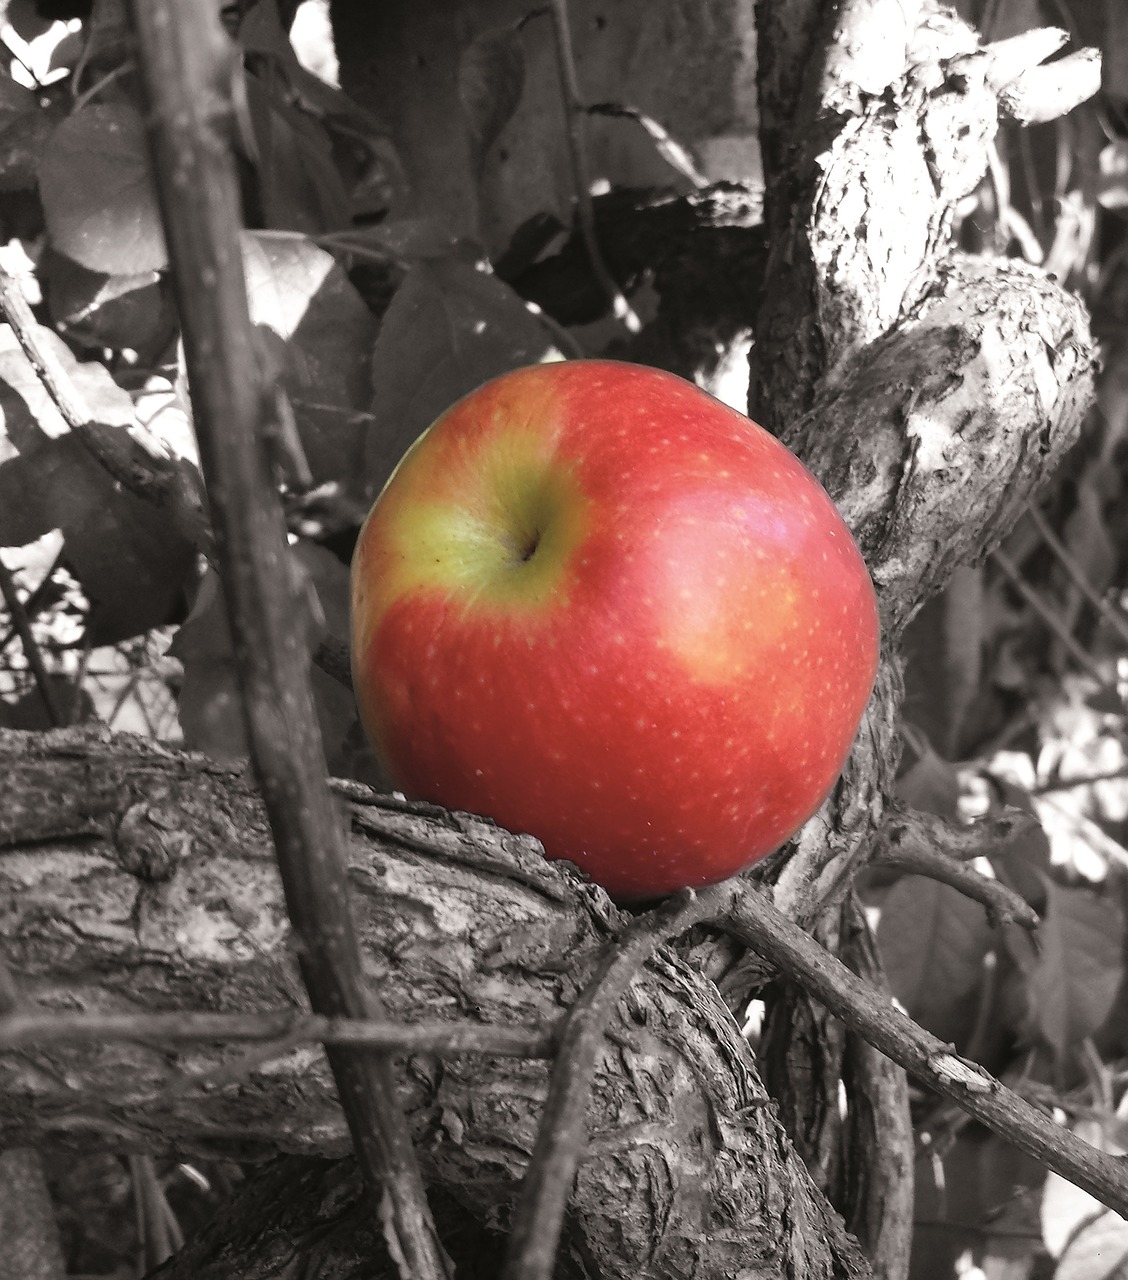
pixel 348 1033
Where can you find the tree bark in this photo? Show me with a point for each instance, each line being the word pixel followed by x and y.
pixel 141 879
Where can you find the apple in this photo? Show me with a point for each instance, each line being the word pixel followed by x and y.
pixel 597 605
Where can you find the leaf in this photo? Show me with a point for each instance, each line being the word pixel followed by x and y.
pixel 134 312
pixel 449 328
pixel 1087 539
pixel 1069 1215
pixel 1112 184
pixel 359 141
pixel 22 144
pixel 933 941
pixel 1099 1252
pixel 129 556
pixel 211 712
pixel 930 783
pixel 15 101
pixel 491 79
pixel 96 184
pixel 1080 968
pixel 299 186
pixel 301 295
pixel 404 241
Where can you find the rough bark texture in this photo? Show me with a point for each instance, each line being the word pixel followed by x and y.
pixel 136 878
pixel 875 123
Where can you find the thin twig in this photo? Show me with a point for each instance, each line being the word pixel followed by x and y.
pixel 1081 780
pixel 1044 611
pixel 28 1027
pixel 925 845
pixel 575 132
pixel 187 64
pixel 34 601
pixel 56 381
pixel 1114 617
pixel 983 838
pixel 34 657
pixel 877 1019
pixel 535 1230
pixel 1003 905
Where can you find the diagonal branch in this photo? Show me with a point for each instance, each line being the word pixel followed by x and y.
pixel 878 1021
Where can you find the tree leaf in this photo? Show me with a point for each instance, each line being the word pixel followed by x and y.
pixel 299 185
pixel 449 328
pixel 1076 1226
pixel 211 713
pixel 491 79
pixel 129 556
pixel 96 184
pixel 299 292
pixel 133 311
pixel 933 941
pixel 1099 1252
pixel 1079 971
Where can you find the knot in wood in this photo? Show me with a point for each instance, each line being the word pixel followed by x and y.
pixel 149 843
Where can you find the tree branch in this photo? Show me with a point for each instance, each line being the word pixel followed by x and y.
pixel 878 1021
pixel 141 880
pixel 535 1231
pixel 187 65
pixel 925 845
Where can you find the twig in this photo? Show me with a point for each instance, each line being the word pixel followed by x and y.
pixel 960 840
pixel 574 121
pixel 757 923
pixel 1114 617
pixel 187 65
pixel 924 845
pixel 332 657
pixel 56 381
pixel 27 1027
pixel 22 625
pixel 1003 905
pixel 1050 618
pixel 32 603
pixel 1081 780
pixel 536 1226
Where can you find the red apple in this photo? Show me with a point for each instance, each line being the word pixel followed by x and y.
pixel 595 604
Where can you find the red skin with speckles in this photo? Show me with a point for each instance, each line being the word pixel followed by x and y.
pixel 597 605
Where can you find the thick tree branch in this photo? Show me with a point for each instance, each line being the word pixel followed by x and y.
pixel 138 879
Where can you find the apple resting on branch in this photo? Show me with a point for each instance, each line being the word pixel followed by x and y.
pixel 597 605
